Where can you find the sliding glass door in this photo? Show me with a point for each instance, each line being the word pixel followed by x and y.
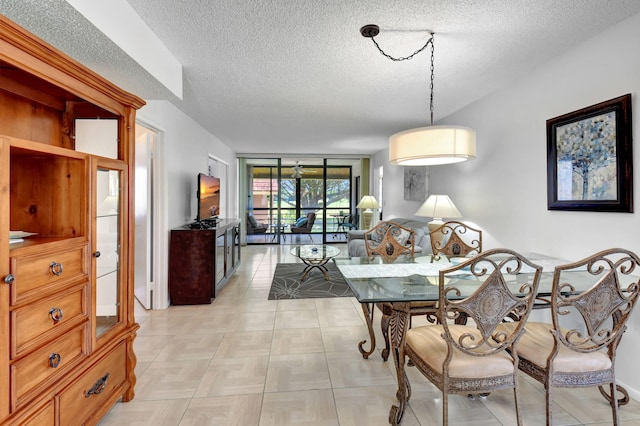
pixel 339 210
pixel 282 191
pixel 263 222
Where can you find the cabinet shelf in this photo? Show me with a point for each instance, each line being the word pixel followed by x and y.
pixel 40 242
pixel 99 215
pixel 103 272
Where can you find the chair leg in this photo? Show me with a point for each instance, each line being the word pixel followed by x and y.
pixel 614 404
pixel 445 408
pixel 548 402
pixel 515 397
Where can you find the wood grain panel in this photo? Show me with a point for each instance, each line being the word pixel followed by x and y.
pixel 26 119
pixel 44 190
pixel 34 277
pixel 35 323
pixel 76 405
pixel 34 370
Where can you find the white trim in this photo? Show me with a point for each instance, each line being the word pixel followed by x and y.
pixel 160 298
pixel 120 22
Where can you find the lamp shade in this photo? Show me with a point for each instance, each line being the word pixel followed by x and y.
pixel 437 207
pixel 368 202
pixel 432 145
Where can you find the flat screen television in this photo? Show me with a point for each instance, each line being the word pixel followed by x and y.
pixel 208 197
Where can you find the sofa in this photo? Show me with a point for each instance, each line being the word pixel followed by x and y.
pixel 355 238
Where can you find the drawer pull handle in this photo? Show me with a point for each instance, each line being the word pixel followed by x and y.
pixel 56 314
pixel 98 386
pixel 56 268
pixel 9 279
pixel 96 254
pixel 54 360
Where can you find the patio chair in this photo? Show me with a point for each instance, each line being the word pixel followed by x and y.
pixel 305 228
pixel 347 223
pixel 253 227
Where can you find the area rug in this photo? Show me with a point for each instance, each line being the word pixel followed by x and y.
pixel 287 285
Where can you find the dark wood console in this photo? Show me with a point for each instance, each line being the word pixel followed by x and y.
pixel 201 261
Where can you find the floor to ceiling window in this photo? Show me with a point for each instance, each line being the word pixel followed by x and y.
pixel 339 209
pixel 280 191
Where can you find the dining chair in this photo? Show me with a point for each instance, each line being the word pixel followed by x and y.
pixel 388 240
pixel 468 359
pixel 456 239
pixel 578 348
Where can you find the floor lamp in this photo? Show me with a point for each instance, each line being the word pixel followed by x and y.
pixel 368 202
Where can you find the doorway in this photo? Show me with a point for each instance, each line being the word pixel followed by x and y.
pixel 145 200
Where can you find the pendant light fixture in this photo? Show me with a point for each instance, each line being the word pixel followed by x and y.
pixel 431 145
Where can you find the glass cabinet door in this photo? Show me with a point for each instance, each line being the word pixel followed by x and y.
pixel 107 246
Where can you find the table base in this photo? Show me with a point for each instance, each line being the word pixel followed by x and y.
pixel 315 263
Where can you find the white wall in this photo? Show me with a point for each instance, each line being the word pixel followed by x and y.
pixel 504 190
pixel 393 202
pixel 184 149
pixel 506 186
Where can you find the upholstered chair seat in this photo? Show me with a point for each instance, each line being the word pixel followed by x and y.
pixel 536 345
pixel 432 349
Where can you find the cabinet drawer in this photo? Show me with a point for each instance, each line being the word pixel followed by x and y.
pixel 40 366
pixel 94 388
pixel 43 321
pixel 40 272
pixel 43 417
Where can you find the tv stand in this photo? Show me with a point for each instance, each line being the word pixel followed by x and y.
pixel 203 224
pixel 201 260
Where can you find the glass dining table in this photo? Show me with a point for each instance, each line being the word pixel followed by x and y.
pixel 416 279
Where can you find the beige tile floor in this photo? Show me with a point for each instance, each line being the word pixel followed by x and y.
pixel 245 360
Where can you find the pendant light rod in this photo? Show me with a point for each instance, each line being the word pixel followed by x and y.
pixel 427 145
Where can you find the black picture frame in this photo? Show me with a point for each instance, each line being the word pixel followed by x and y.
pixel 589 158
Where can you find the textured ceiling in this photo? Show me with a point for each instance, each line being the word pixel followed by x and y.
pixel 296 76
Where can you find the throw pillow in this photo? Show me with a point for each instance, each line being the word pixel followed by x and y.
pixel 253 221
pixel 301 222
pixel 403 237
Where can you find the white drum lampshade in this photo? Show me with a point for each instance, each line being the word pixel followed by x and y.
pixel 432 145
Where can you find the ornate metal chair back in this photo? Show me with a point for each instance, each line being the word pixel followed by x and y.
pixel 491 303
pixel 389 240
pixel 456 239
pixel 603 310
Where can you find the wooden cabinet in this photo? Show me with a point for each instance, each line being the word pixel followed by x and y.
pixel 201 261
pixel 66 286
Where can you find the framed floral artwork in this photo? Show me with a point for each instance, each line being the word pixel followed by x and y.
pixel 589 163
